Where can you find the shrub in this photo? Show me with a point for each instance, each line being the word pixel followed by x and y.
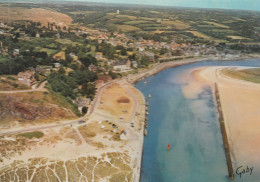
pixel 30 135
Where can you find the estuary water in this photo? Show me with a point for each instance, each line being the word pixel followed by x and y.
pixel 189 124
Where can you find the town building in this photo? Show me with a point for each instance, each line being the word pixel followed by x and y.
pixel 26 78
pixel 122 66
pixel 92 68
pixel 44 70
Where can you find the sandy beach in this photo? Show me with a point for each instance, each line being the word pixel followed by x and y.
pixel 112 136
pixel 240 102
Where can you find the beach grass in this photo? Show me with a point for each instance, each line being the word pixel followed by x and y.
pixel 251 75
pixel 30 135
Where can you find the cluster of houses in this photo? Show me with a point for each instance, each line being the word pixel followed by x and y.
pixel 28 77
pixel 146 47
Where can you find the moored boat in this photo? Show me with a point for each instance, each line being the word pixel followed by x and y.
pixel 168 146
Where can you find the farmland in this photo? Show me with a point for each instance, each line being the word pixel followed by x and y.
pixel 34 14
pixel 160 22
pixel 167 23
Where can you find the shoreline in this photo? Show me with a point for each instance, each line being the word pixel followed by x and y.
pixel 239 116
pixel 161 66
pixel 175 63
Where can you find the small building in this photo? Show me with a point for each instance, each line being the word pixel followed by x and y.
pixel 134 64
pixel 26 78
pixel 16 52
pixel 82 102
pixel 122 66
pixel 174 45
pixel 57 35
pixel 92 68
pixel 99 55
pixel 150 55
pixel 57 65
pixel 72 55
pixel 44 70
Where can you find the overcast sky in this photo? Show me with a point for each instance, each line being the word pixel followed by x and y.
pixel 226 4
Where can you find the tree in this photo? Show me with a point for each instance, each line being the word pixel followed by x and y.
pixel 112 74
pixel 88 89
pixel 88 60
pixel 123 52
pixel 145 61
pixel 84 110
pixel 132 57
pixel 62 70
pixel 36 76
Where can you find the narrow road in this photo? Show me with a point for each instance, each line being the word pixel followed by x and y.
pixel 38 89
pixel 92 108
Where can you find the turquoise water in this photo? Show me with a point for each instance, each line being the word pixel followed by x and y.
pixel 190 125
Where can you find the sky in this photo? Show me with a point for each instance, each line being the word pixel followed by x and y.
pixel 222 4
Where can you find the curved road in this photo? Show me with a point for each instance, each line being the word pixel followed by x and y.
pixel 97 98
pixel 93 106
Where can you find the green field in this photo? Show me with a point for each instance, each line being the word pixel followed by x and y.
pixel 136 22
pixel 212 25
pixel 251 75
pixel 48 51
pixel 67 41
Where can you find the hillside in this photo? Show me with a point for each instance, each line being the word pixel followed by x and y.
pixel 34 14
pixel 32 108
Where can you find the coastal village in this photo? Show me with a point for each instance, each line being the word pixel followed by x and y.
pixel 68 87
pixel 131 54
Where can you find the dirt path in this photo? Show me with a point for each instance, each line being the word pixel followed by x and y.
pixel 38 89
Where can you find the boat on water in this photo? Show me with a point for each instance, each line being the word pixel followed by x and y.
pixel 149 95
pixel 145 82
pixel 145 132
pixel 168 146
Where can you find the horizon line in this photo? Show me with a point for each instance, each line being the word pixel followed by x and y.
pixel 121 4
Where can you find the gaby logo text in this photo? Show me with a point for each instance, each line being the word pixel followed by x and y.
pixel 244 170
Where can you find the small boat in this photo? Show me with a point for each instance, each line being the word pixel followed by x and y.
pixel 149 96
pixel 145 132
pixel 168 146
pixel 145 82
